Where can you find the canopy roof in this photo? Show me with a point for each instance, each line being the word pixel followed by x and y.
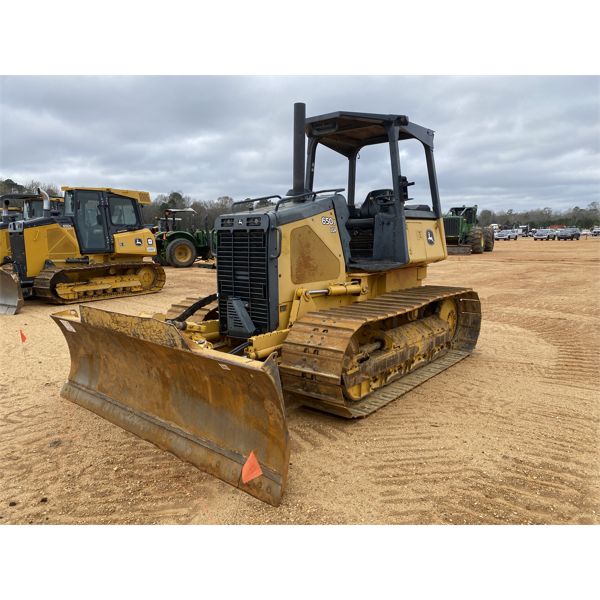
pixel 348 132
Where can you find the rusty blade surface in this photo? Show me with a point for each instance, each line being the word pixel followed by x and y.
pixel 208 408
pixel 11 296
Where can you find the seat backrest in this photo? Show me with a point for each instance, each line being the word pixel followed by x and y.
pixel 370 207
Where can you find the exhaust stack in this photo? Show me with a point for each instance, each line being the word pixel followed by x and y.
pixel 46 198
pixel 5 212
pixel 299 150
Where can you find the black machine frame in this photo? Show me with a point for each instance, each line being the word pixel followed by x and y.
pixel 348 132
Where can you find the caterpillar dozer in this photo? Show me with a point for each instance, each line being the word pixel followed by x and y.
pixel 319 302
pixel 90 246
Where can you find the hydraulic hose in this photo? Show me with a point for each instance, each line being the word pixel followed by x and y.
pixel 188 312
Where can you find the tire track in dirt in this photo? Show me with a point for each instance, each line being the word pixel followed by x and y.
pixel 548 479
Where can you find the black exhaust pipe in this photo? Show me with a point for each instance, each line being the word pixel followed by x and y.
pixel 299 150
pixel 5 212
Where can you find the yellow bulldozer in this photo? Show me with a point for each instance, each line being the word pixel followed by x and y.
pixel 30 206
pixel 90 245
pixel 319 302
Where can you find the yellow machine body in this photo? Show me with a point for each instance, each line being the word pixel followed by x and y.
pixel 4 244
pixel 312 258
pixel 142 198
pixel 224 406
pixel 319 302
pixel 92 252
pixel 58 243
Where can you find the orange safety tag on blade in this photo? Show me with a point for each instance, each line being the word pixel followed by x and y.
pixel 251 469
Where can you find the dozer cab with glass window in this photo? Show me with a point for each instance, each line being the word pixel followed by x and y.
pixel 91 247
pixel 319 302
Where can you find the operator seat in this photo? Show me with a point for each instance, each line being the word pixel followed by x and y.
pixel 370 207
pixel 365 214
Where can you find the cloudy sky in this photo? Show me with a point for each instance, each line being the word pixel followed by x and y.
pixel 501 142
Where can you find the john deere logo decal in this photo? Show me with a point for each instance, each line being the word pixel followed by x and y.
pixel 138 241
pixel 430 238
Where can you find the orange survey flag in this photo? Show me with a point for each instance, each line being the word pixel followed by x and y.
pixel 23 336
pixel 251 469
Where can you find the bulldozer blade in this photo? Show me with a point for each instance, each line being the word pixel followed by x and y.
pixel 209 408
pixel 11 295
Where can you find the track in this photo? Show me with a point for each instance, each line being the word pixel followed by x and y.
pixel 314 358
pixel 45 284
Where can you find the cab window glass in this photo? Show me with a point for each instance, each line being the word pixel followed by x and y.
pixel 414 167
pixel 122 211
pixel 89 219
pixel 33 209
pixel 69 207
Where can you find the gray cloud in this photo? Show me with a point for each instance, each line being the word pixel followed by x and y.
pixel 502 142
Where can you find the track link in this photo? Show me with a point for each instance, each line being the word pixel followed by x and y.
pixel 315 353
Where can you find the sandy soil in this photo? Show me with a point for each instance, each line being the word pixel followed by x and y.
pixel 509 435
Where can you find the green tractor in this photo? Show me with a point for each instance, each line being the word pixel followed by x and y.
pixel 464 235
pixel 179 240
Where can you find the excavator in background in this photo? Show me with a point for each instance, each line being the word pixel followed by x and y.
pixel 91 247
pixel 319 302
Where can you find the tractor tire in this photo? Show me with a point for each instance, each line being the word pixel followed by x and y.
pixel 475 240
pixel 488 239
pixel 181 253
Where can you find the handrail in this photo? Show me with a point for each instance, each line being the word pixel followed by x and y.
pixel 248 200
pixel 306 195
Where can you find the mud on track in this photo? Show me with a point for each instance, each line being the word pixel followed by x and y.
pixel 509 435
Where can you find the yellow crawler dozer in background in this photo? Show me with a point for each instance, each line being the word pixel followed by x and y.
pixel 30 208
pixel 320 302
pixel 92 249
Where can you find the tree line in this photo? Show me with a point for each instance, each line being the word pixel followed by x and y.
pixel 584 218
pixel 209 210
pixel 8 186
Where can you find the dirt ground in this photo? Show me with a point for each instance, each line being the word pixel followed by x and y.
pixel 509 435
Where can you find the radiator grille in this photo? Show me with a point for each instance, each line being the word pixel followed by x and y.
pixel 452 226
pixel 243 273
